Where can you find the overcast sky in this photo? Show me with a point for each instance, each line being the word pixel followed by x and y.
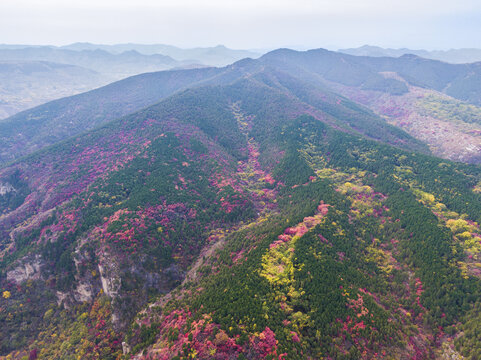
pixel 429 24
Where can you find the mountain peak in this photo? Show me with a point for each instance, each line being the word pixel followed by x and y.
pixel 409 56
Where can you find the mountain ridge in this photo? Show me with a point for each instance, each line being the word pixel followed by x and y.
pixel 27 84
pixel 455 56
pixel 206 77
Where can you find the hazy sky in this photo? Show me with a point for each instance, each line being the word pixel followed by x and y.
pixel 430 24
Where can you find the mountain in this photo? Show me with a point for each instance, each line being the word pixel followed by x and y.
pixel 385 85
pixel 58 120
pixel 436 102
pixel 458 81
pixel 55 121
pixel 245 212
pixel 211 56
pixel 455 56
pixel 310 236
pixel 116 66
pixel 27 84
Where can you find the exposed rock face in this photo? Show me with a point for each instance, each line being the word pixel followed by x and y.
pixel 125 348
pixel 62 298
pixel 6 188
pixel 84 292
pixel 110 281
pixel 28 269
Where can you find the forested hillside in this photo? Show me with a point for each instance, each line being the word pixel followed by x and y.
pixel 390 87
pixel 252 213
pixel 368 253
pixel 460 81
pixel 58 120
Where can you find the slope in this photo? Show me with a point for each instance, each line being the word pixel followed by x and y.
pixel 58 120
pixel 408 92
pixel 355 261
pixel 460 81
pixel 127 207
pixel 47 124
pixel 451 128
pixel 28 84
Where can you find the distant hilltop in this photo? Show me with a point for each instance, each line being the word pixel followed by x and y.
pixel 454 56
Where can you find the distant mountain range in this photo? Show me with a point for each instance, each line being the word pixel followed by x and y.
pixel 212 56
pixel 153 54
pixel 455 56
pixel 32 75
pixel 117 66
